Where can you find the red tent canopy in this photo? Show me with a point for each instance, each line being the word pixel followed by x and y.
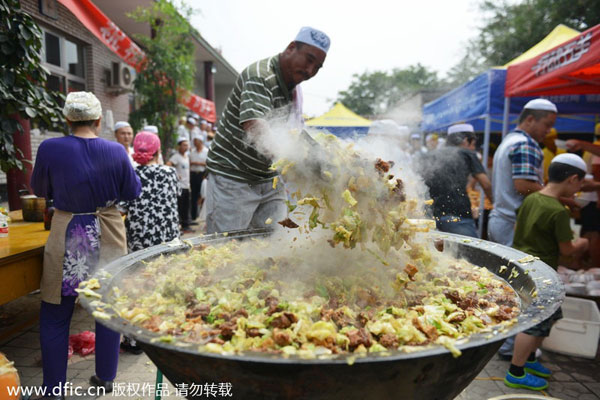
pixel 570 68
pixel 112 36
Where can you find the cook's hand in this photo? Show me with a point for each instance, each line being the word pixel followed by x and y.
pixel 573 144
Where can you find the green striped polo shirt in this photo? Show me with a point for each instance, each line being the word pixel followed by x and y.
pixel 259 92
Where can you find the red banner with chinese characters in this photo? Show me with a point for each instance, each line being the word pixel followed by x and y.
pixel 572 67
pixel 116 40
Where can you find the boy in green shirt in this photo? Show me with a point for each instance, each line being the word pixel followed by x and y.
pixel 543 230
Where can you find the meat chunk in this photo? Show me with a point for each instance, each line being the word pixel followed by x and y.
pixel 358 337
pixel 452 295
pixel 240 313
pixel 410 270
pixel 281 337
pixel 200 310
pixel 253 332
pixel 389 341
pixel 273 305
pixel 227 329
pixel 288 223
pixel 429 331
pixel 153 323
pixel 504 313
pixel 285 320
pixel 382 166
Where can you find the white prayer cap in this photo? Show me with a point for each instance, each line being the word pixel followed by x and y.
pixel 121 124
pixel 541 104
pixel 151 128
pixel 570 159
pixel 181 139
pixel 415 136
pixel 198 136
pixel 203 121
pixel 460 128
pixel 82 106
pixel 314 38
pixel 192 120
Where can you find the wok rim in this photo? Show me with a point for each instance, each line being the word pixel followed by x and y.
pixel 547 283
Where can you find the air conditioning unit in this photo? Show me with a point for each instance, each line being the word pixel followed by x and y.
pixel 122 76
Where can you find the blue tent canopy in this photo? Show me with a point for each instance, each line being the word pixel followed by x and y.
pixel 484 96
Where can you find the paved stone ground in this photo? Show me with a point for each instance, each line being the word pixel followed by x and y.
pixel 572 379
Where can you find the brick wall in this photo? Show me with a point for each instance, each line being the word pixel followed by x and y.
pixel 98 58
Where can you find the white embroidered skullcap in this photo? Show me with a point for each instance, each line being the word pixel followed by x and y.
pixel 192 120
pixel 82 106
pixel 541 104
pixel 121 124
pixel 198 136
pixel 570 159
pixel 460 128
pixel 415 136
pixel 313 37
pixel 182 139
pixel 151 128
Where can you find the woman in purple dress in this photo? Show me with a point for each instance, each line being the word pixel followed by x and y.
pixel 85 176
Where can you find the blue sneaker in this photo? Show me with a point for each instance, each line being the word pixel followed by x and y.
pixel 536 368
pixel 526 381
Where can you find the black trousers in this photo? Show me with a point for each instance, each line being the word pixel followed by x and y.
pixel 183 206
pixel 196 183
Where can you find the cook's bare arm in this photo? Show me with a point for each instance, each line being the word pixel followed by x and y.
pixel 485 183
pixel 255 127
pixel 576 145
pixel 526 187
pixel 577 246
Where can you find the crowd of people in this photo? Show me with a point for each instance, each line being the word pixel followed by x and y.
pixel 216 172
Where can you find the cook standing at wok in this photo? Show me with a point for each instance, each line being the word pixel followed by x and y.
pixel 240 194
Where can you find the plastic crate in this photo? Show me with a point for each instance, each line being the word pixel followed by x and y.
pixel 578 332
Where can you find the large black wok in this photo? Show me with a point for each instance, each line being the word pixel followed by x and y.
pixel 429 374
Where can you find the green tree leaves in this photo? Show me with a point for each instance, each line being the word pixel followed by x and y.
pixel 372 93
pixel 170 66
pixel 22 79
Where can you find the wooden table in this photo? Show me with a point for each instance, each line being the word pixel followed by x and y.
pixel 21 257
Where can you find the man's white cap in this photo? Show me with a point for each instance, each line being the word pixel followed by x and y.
pixel 192 120
pixel 82 106
pixel 151 128
pixel 181 139
pixel 314 38
pixel 415 136
pixel 460 128
pixel 542 105
pixel 570 159
pixel 121 124
pixel 198 136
